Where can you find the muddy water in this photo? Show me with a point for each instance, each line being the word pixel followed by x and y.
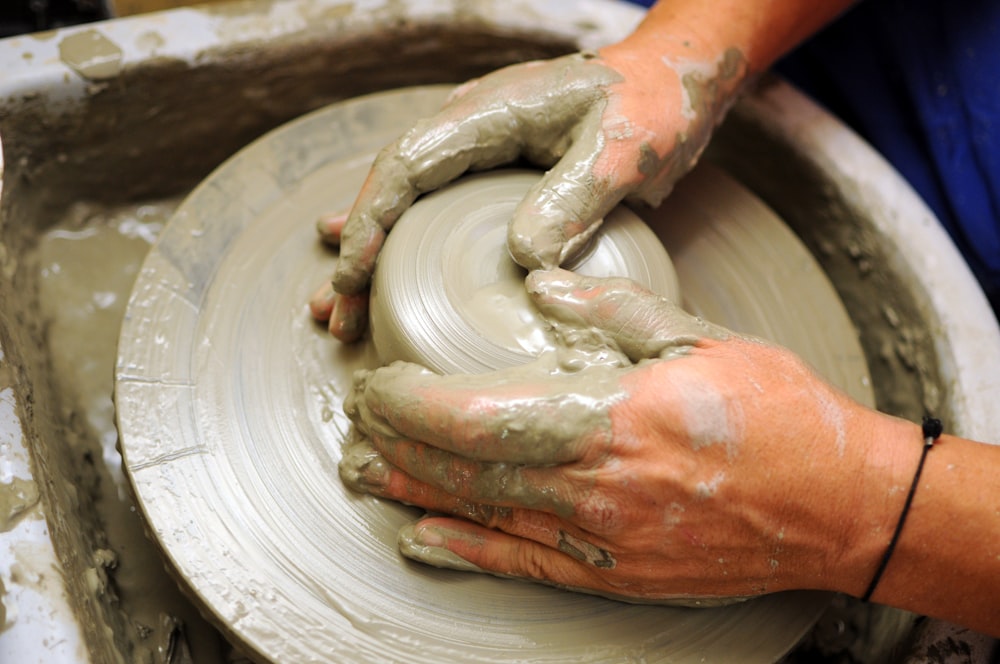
pixel 86 264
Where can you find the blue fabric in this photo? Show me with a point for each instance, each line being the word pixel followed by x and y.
pixel 920 81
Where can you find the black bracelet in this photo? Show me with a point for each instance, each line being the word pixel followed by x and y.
pixel 932 429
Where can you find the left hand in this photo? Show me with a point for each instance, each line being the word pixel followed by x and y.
pixel 626 122
pixel 716 467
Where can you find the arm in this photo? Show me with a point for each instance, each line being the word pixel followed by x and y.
pixel 762 30
pixel 626 122
pixel 714 467
pixel 947 562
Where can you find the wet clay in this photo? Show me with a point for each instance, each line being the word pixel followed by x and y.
pixel 447 295
pixel 570 89
pixel 17 496
pixel 229 403
pixel 578 377
pixel 91 54
pixel 574 113
pixel 70 137
pixel 86 265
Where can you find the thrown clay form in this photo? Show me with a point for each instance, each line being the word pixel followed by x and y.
pixel 447 294
pixel 229 406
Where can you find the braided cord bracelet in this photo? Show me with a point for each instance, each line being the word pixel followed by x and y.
pixel 932 429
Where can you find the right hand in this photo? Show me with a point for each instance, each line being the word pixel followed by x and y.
pixel 705 468
pixel 624 123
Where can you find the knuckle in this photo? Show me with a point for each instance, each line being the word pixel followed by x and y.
pixel 532 561
pixel 498 518
pixel 599 514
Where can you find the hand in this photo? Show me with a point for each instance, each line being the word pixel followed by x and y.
pixel 623 123
pixel 714 467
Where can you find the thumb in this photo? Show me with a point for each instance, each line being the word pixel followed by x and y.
pixel 643 324
pixel 560 212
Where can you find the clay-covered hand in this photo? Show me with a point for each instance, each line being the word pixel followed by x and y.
pixel 710 467
pixel 623 123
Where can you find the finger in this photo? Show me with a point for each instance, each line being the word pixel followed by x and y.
pixel 455 544
pixel 434 152
pixel 501 416
pixel 363 233
pixel 495 483
pixel 330 227
pixel 364 469
pixel 349 316
pixel 322 301
pixel 563 210
pixel 643 324
pixel 528 108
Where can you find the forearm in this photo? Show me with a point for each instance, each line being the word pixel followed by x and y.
pixel 680 72
pixel 761 31
pixel 843 505
pixel 947 561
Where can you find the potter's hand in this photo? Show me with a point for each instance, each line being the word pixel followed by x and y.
pixel 715 467
pixel 626 122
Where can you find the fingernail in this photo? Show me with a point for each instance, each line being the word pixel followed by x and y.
pixel 429 536
pixel 362 468
pixel 330 227
pixel 321 302
pixel 426 544
pixel 550 283
pixel 522 248
pixel 349 317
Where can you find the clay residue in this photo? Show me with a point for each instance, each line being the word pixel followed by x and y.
pixel 83 307
pixel 92 55
pixel 188 117
pixel 85 266
pixel 44 35
pixel 17 496
pixel 151 40
pixel 326 12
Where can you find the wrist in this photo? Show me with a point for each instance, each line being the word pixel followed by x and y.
pixel 677 48
pixel 760 30
pixel 846 498
pixel 891 450
pixel 947 560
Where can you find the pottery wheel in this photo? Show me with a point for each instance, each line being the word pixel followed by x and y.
pixel 229 411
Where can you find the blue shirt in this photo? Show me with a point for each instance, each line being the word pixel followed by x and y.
pixel 920 81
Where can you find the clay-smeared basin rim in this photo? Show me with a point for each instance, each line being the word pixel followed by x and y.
pixel 229 409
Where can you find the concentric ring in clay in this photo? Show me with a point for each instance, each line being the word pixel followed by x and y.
pixel 447 294
pixel 229 410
